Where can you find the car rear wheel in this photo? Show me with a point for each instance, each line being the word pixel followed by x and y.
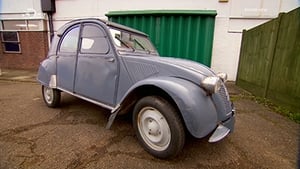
pixel 51 96
pixel 158 127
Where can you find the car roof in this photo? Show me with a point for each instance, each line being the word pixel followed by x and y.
pixel 108 23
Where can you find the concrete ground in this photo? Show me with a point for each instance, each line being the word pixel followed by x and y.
pixel 18 75
pixel 73 136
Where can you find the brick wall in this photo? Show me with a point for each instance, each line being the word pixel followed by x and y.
pixel 34 48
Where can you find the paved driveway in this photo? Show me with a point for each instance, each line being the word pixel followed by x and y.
pixel 73 136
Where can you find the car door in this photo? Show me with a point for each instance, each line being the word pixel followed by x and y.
pixel 96 70
pixel 66 58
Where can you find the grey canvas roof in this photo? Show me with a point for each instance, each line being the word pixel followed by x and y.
pixel 96 20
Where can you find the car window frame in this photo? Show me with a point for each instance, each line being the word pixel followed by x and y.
pixel 63 37
pixel 105 36
pixel 132 50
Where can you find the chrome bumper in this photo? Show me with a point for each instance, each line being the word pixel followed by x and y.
pixel 223 129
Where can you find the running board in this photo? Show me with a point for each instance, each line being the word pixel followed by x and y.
pixel 114 111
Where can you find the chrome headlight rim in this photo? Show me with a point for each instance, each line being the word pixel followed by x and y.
pixel 223 76
pixel 211 84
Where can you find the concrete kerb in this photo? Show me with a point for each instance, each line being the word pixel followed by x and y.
pixel 18 75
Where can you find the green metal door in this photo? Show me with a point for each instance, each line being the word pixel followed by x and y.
pixel 175 33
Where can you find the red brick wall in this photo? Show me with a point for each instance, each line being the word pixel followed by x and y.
pixel 34 48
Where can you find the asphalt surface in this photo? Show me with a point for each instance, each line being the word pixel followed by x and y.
pixel 74 135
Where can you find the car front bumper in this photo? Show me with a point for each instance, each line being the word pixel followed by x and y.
pixel 223 129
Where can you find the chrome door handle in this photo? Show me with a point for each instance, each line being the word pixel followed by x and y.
pixel 110 59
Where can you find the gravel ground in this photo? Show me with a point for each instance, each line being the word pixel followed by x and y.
pixel 74 136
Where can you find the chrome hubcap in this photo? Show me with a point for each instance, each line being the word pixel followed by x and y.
pixel 154 129
pixel 48 94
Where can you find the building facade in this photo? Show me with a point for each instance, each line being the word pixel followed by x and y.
pixel 25 35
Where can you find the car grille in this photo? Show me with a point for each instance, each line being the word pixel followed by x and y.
pixel 225 97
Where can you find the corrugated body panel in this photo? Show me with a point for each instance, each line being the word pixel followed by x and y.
pixel 182 34
pixel 269 63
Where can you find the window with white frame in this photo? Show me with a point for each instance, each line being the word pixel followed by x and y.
pixel 9 32
pixel 14 25
pixel 11 42
pixel 23 25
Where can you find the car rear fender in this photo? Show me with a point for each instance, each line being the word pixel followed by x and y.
pixel 47 72
pixel 197 109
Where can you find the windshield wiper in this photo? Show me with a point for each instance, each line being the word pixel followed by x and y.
pixel 137 42
pixel 124 43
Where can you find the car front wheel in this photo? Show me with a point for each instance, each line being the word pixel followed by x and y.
pixel 158 127
pixel 51 96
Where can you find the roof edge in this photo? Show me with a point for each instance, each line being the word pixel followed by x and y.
pixel 162 12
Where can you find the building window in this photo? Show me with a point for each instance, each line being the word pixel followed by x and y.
pixel 10 42
pixel 35 25
pixel 14 25
pixel 23 25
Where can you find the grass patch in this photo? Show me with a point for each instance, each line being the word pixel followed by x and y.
pixel 293 115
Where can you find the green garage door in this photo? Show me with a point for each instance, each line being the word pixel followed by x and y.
pixel 175 33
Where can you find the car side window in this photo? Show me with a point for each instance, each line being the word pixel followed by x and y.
pixel 94 40
pixel 70 41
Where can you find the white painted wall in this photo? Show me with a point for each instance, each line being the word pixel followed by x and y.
pixel 233 16
pixel 21 9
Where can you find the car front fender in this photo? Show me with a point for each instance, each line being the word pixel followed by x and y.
pixel 197 109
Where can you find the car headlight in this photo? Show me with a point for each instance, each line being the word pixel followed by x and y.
pixel 211 84
pixel 222 76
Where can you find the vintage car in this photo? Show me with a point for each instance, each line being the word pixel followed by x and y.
pixel 118 68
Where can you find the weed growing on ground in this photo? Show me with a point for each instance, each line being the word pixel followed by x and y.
pixel 295 116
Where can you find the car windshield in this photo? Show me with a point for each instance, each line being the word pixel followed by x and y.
pixel 127 41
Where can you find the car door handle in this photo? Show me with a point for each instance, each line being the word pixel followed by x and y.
pixel 110 59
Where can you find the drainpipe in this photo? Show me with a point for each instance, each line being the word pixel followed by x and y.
pixel 48 6
pixel 50 21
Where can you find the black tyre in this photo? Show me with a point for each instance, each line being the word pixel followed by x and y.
pixel 158 127
pixel 51 96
